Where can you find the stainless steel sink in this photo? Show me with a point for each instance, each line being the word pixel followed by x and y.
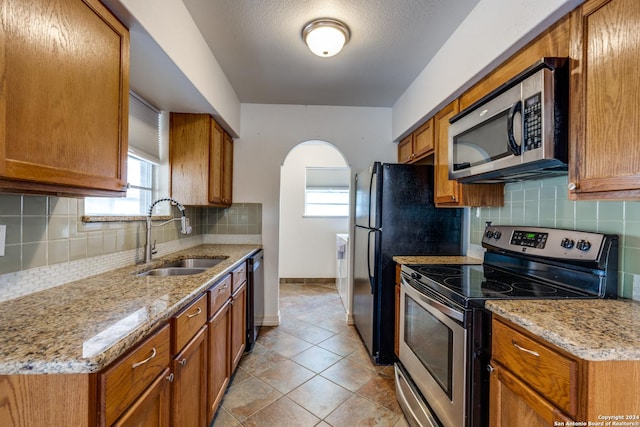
pixel 172 271
pixel 195 263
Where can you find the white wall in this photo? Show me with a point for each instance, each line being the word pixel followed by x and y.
pixel 269 132
pixel 307 244
pixel 493 31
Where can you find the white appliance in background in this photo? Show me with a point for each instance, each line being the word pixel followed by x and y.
pixel 342 273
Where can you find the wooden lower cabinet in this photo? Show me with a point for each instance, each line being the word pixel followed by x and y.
pixel 535 383
pixel 219 358
pixel 238 325
pixel 189 389
pixel 152 409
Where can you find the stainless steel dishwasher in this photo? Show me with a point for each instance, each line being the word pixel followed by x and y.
pixel 255 297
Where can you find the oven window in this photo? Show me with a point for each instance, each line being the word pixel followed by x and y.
pixel 431 341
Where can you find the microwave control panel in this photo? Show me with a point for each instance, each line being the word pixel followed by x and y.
pixel 532 120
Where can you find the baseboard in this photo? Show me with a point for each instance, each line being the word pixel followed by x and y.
pixel 308 280
pixel 271 320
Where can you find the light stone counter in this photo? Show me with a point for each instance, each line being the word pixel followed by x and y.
pixel 590 329
pixel 436 260
pixel 82 326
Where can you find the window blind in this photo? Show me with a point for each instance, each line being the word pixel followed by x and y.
pixel 144 129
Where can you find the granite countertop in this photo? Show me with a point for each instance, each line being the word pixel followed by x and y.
pixel 431 259
pixel 82 326
pixel 592 330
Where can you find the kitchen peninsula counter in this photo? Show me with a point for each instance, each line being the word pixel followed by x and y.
pixel 594 330
pixel 82 326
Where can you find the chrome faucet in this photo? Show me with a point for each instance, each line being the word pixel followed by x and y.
pixel 185 228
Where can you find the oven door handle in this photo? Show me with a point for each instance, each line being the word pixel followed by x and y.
pixel 446 310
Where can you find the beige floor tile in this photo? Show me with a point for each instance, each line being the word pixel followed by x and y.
pixel 317 359
pixel 313 334
pixel 283 412
pixel 319 396
pixel 287 345
pixel 286 376
pixel 259 359
pixel 249 397
pixel 358 411
pixel 341 345
pixel 349 374
pixel 224 419
pixel 381 390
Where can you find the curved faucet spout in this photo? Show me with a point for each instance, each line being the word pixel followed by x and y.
pixel 185 228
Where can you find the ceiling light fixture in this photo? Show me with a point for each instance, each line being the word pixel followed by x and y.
pixel 325 37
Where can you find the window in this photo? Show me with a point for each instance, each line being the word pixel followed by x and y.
pixel 326 192
pixel 142 165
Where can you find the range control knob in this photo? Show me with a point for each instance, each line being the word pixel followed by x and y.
pixel 497 235
pixel 583 245
pixel 567 243
pixel 488 234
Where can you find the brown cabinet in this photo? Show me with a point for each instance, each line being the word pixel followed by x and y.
pixel 219 357
pixel 535 383
pixel 201 160
pixel 152 407
pixel 63 128
pixel 605 101
pixel 238 325
pixel 450 193
pixel 418 145
pixel 189 388
pixel 129 378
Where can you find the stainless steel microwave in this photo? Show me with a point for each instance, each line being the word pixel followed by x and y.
pixel 517 132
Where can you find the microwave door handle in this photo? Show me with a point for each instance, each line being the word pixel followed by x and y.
pixel 515 148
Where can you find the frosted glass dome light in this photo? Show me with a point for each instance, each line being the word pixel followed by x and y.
pixel 325 37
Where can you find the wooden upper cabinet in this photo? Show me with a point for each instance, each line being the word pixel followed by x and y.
pixel 418 145
pixel 450 193
pixel 201 158
pixel 64 96
pixel 604 153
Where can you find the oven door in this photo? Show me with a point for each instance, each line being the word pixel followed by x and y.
pixel 433 343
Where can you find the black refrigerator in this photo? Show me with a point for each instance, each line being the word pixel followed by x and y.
pixel 394 216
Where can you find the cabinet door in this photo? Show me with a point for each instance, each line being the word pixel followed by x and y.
pixel 152 408
pixel 219 358
pixel 423 140
pixel 189 157
pixel 513 403
pixel 405 150
pixel 63 98
pixel 238 325
pixel 216 162
pixel 227 170
pixel 605 101
pixel 189 390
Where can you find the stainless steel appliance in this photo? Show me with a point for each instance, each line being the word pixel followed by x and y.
pixel 441 376
pixel 394 215
pixel 255 297
pixel 517 132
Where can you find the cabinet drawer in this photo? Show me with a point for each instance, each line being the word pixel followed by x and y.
pixel 188 322
pixel 239 275
pixel 219 294
pixel 126 379
pixel 550 373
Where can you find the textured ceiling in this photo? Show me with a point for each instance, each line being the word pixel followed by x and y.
pixel 260 49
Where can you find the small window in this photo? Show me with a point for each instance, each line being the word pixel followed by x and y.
pixel 326 192
pixel 142 165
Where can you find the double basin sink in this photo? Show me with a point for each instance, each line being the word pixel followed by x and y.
pixel 184 267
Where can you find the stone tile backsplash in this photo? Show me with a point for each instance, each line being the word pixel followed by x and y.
pixel 47 243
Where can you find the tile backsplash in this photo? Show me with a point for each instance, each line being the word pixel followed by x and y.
pixel 47 243
pixel 545 203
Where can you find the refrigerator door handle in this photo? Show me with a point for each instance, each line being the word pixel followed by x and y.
pixel 371 276
pixel 371 197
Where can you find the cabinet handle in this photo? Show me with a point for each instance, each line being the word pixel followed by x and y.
pixel 170 377
pixel 490 368
pixel 189 316
pixel 142 362
pixel 531 352
pixel 183 362
pixel 572 186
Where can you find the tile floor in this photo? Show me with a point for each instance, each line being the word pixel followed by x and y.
pixel 312 370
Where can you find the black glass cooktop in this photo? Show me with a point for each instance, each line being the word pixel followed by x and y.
pixel 466 283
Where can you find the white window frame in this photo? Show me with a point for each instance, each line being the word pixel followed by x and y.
pixel 330 189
